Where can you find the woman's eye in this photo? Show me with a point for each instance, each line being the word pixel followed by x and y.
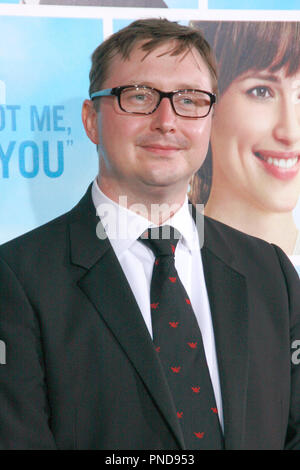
pixel 262 92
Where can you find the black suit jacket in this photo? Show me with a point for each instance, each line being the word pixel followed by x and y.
pixel 81 371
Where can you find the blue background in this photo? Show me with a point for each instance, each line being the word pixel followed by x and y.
pixel 46 64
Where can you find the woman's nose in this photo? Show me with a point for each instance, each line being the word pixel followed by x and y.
pixel 287 127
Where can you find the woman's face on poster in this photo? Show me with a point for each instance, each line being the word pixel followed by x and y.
pixel 256 139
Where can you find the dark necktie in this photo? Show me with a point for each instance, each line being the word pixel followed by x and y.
pixel 178 342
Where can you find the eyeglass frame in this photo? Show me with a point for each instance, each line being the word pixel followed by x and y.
pixel 116 91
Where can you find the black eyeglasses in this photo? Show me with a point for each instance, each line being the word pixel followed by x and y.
pixel 141 99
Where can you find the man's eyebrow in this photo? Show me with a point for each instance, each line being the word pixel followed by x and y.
pixel 180 86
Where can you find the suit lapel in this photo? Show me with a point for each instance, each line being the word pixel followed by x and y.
pixel 107 288
pixel 227 292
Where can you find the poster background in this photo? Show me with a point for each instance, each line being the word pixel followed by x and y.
pixel 46 162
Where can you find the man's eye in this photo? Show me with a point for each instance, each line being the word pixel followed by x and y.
pixel 262 92
pixel 195 101
pixel 187 101
pixel 139 97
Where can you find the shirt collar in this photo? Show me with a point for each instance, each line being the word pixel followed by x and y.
pixel 123 226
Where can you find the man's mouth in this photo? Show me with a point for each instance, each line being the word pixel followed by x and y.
pixel 161 147
pixel 166 151
pixel 158 145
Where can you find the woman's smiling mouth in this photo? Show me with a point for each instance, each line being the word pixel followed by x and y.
pixel 283 165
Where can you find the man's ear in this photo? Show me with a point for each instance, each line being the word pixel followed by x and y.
pixel 90 121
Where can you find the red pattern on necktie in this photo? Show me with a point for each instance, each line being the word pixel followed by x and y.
pixel 177 339
pixel 154 305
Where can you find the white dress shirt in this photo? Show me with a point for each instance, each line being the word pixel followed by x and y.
pixel 123 227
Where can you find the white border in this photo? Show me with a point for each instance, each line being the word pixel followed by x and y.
pixel 108 14
pixel 202 13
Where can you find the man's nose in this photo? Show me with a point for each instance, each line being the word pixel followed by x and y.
pixel 287 127
pixel 164 117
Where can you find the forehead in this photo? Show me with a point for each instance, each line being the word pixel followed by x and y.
pixel 160 69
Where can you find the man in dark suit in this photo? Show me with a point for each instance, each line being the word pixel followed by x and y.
pixel 82 369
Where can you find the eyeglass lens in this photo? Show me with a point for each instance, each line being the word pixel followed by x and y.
pixel 144 100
